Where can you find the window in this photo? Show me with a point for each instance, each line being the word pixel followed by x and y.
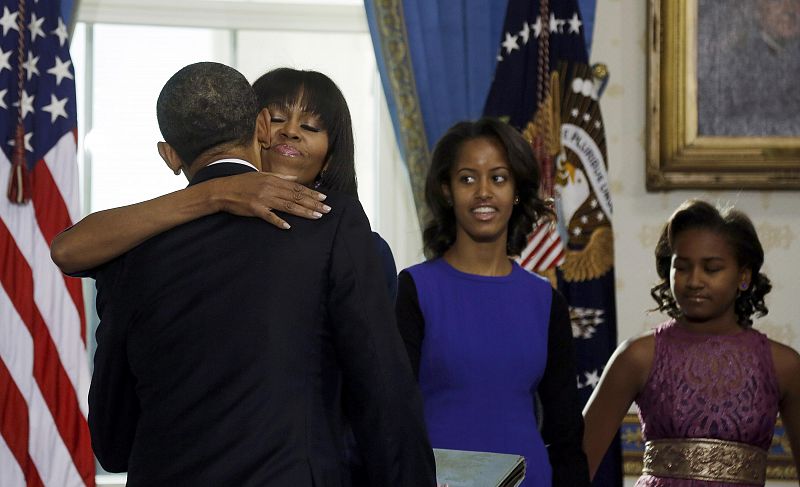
pixel 126 53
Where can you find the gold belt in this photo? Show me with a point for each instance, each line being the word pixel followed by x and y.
pixel 705 459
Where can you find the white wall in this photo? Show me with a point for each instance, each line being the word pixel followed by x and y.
pixel 620 42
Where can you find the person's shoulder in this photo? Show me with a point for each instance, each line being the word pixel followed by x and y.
pixel 344 207
pixel 423 266
pixel 381 243
pixel 338 199
pixel 785 358
pixel 637 351
pixel 531 278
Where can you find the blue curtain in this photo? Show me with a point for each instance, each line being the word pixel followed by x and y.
pixel 587 15
pixel 436 59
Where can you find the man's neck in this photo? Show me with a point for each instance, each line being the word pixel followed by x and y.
pixel 210 157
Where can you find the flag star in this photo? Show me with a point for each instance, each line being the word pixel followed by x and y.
pixel 3 98
pixel 592 378
pixel 4 64
pixel 584 219
pixel 61 70
pixel 525 32
pixel 586 117
pixel 575 24
pixel 27 103
pixel 597 124
pixel 593 203
pixel 56 108
pixel 61 32
pixel 577 231
pixel 28 146
pixel 537 27
pixel 600 216
pixel 574 113
pixel 30 65
pixel 510 43
pixel 580 384
pixel 36 27
pixel 555 23
pixel 9 21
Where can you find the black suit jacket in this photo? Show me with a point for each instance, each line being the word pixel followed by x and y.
pixel 224 346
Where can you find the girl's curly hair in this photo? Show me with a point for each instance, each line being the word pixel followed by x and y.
pixel 738 230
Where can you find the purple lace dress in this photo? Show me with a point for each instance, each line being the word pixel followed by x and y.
pixel 708 386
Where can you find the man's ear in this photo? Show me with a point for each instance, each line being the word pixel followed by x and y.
pixel 263 121
pixel 170 157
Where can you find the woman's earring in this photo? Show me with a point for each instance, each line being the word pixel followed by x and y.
pixel 516 199
pixel 743 286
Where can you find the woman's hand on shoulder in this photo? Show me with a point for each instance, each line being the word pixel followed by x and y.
pixel 257 194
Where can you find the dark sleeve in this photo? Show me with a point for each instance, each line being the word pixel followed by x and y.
pixel 562 421
pixel 387 264
pixel 409 319
pixel 380 394
pixel 113 405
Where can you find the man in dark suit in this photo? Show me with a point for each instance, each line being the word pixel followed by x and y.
pixel 227 346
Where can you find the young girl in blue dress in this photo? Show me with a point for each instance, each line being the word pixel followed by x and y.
pixel 490 342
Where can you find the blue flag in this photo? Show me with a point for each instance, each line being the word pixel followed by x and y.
pixel 544 87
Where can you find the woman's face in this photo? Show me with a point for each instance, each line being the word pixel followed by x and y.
pixel 482 190
pixel 299 143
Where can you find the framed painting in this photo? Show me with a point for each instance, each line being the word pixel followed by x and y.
pixel 723 106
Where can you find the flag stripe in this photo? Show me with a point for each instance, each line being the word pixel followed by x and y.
pixel 12 475
pixel 13 424
pixel 64 171
pixel 533 243
pixel 57 392
pixel 16 353
pixel 52 217
pixel 552 257
pixel 49 291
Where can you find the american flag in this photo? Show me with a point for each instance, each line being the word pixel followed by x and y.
pixel 44 374
pixel 544 87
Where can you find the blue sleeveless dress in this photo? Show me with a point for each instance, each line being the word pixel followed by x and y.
pixel 483 354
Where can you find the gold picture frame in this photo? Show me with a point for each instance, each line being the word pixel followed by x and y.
pixel 677 156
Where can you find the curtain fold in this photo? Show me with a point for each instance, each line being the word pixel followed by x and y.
pixel 436 59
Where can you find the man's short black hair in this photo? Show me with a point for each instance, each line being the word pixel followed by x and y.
pixel 204 105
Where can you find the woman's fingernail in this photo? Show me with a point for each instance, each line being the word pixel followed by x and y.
pixel 326 208
pixel 321 196
pixel 316 214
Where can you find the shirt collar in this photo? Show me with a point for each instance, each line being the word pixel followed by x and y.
pixel 236 161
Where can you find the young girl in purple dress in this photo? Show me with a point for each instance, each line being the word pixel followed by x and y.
pixel 708 386
pixel 486 338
